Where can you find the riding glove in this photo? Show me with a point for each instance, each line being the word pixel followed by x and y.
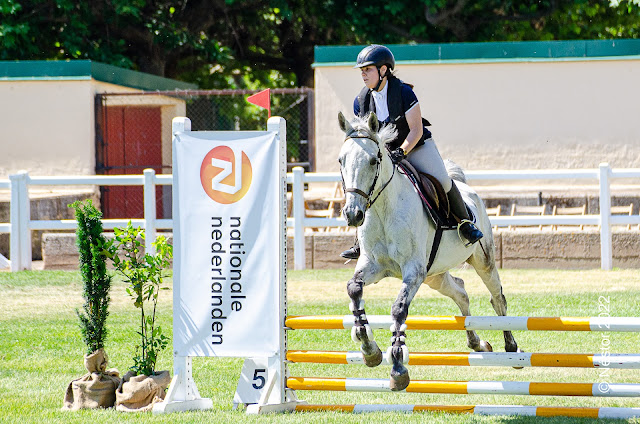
pixel 397 155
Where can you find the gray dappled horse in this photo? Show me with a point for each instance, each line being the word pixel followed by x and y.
pixel 396 236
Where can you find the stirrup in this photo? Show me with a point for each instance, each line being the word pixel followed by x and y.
pixel 468 241
pixel 351 253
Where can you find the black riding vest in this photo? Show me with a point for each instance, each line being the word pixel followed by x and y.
pixel 396 113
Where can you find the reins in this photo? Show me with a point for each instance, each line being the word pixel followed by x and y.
pixel 356 190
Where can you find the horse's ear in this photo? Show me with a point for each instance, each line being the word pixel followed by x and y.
pixel 344 124
pixel 374 125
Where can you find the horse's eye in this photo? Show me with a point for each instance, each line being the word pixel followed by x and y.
pixel 373 161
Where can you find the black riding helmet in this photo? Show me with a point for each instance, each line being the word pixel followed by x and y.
pixel 377 55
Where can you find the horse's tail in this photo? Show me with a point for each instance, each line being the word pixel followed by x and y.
pixel 455 171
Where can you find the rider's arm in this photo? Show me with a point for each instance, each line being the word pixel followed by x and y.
pixel 414 119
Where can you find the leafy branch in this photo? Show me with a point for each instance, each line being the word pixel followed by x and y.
pixel 144 273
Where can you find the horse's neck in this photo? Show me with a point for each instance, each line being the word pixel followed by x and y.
pixel 397 194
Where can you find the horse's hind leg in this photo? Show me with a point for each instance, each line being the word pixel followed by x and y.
pixel 453 287
pixel 486 268
pixel 361 331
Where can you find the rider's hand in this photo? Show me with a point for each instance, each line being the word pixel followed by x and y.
pixel 397 155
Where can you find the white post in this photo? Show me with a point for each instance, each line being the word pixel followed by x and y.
pixel 149 210
pixel 606 244
pixel 299 259
pixel 15 252
pixel 25 222
pixel 279 125
pixel 20 216
pixel 183 393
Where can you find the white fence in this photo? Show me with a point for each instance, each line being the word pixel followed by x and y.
pixel 21 224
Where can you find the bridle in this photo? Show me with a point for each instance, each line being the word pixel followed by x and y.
pixel 367 196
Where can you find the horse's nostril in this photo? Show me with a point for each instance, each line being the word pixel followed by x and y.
pixel 359 216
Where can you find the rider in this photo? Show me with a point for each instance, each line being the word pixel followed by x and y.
pixel 394 102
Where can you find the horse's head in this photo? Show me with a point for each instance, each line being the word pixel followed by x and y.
pixel 361 160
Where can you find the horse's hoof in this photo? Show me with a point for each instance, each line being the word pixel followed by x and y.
pixel 518 368
pixel 399 380
pixel 485 346
pixel 374 359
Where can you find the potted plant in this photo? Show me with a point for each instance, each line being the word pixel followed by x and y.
pixel 97 388
pixel 142 386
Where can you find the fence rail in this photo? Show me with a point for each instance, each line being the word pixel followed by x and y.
pixel 21 225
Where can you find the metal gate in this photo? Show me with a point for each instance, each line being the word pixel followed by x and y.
pixel 133 132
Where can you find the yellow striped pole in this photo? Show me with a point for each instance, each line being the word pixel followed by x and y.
pixel 466 387
pixel 489 359
pixel 336 322
pixel 522 410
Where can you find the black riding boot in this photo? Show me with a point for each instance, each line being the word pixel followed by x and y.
pixel 466 228
pixel 352 252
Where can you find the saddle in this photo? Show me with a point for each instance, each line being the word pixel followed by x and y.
pixel 434 198
pixel 435 202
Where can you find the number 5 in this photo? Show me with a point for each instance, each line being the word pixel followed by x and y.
pixel 258 378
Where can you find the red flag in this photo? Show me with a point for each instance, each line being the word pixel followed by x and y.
pixel 262 99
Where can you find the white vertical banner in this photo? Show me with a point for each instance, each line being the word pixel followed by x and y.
pixel 228 243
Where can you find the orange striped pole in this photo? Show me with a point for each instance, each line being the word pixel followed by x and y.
pixel 466 387
pixel 522 410
pixel 490 359
pixel 335 322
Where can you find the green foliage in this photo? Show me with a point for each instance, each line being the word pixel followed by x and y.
pixel 244 43
pixel 96 281
pixel 144 274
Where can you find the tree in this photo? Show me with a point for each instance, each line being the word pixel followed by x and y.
pixel 246 43
pixel 205 41
pixel 96 281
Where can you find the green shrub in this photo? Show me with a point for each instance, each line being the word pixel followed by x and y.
pixel 97 283
pixel 144 274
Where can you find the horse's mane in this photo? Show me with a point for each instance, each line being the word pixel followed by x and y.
pixel 387 133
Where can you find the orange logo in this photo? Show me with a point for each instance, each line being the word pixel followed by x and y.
pixel 225 174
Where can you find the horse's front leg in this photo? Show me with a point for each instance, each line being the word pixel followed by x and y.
pixel 361 331
pixel 398 353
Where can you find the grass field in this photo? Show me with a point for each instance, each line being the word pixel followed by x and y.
pixel 41 348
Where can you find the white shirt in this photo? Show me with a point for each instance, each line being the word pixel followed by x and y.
pixel 380 100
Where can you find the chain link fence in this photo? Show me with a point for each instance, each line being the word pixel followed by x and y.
pixel 133 132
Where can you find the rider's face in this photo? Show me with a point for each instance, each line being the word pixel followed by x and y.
pixel 370 75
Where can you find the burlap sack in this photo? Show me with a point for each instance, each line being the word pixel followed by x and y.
pixel 96 389
pixel 138 393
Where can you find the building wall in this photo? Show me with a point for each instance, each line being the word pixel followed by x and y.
pixel 49 126
pixel 506 115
